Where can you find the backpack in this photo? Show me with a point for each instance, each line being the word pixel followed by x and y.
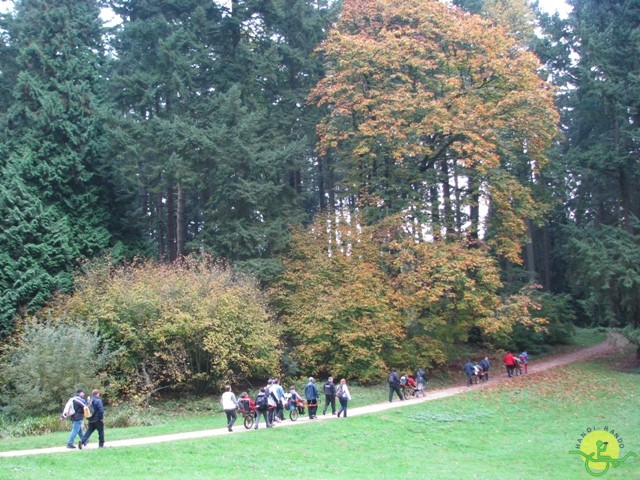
pixel 89 409
pixel 392 379
pixel 69 409
pixel 329 389
pixel 262 403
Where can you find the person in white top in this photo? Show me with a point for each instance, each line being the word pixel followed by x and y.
pixel 229 405
pixel 344 396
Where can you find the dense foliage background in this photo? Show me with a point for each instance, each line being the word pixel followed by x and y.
pixel 379 183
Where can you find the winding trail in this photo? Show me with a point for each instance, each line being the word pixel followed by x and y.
pixel 612 345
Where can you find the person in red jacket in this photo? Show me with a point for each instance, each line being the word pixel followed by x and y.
pixel 510 361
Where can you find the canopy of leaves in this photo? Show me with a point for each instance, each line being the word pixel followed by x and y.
pixel 420 299
pixel 419 85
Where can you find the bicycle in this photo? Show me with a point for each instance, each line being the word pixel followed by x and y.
pixel 248 414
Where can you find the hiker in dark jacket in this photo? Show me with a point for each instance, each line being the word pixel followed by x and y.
pixel 394 385
pixel 485 364
pixel 421 379
pixel 262 408
pixel 96 421
pixel 74 410
pixel 470 371
pixel 329 389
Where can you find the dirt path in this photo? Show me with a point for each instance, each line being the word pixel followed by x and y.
pixel 608 347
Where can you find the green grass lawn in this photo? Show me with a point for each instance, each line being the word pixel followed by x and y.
pixel 521 429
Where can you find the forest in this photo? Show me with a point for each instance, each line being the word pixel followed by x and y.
pixel 206 192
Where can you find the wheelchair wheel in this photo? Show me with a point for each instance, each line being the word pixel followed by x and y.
pixel 293 414
pixel 248 421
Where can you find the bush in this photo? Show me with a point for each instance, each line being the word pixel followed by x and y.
pixel 187 326
pixel 45 362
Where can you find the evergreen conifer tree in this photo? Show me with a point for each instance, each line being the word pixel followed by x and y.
pixel 52 199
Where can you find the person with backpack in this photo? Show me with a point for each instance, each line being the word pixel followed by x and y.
pixel 329 389
pixel 96 420
pixel 343 397
pixel 524 360
pixel 394 385
pixel 74 410
pixel 485 364
pixel 229 405
pixel 421 379
pixel 311 394
pixel 262 408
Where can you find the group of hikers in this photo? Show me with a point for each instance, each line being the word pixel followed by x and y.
pixel 272 401
pixel 516 363
pixel 480 371
pixel 406 385
pixel 77 409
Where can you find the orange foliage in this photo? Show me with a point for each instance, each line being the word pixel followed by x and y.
pixel 418 81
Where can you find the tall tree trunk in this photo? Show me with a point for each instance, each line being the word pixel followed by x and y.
pixel 446 197
pixel 458 203
pixel 171 223
pixel 331 188
pixel 322 201
pixel 529 252
pixel 162 253
pixel 546 255
pixel 474 213
pixel 181 221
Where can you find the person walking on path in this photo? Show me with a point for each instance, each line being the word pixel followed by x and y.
pixel 229 405
pixel 510 362
pixel 343 397
pixel 96 420
pixel 329 389
pixel 524 360
pixel 74 410
pixel 421 379
pixel 394 385
pixel 272 400
pixel 311 394
pixel 279 394
pixel 485 364
pixel 262 408
pixel 470 371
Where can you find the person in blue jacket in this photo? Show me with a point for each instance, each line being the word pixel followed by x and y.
pixel 485 364
pixel 96 421
pixel 311 394
pixel 470 371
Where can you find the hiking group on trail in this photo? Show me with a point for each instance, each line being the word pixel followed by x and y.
pixel 271 400
pixel 77 409
pixel 479 372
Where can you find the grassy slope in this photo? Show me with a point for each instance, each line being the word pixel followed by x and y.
pixel 522 429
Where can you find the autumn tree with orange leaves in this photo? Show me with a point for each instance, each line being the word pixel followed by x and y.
pixel 438 115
